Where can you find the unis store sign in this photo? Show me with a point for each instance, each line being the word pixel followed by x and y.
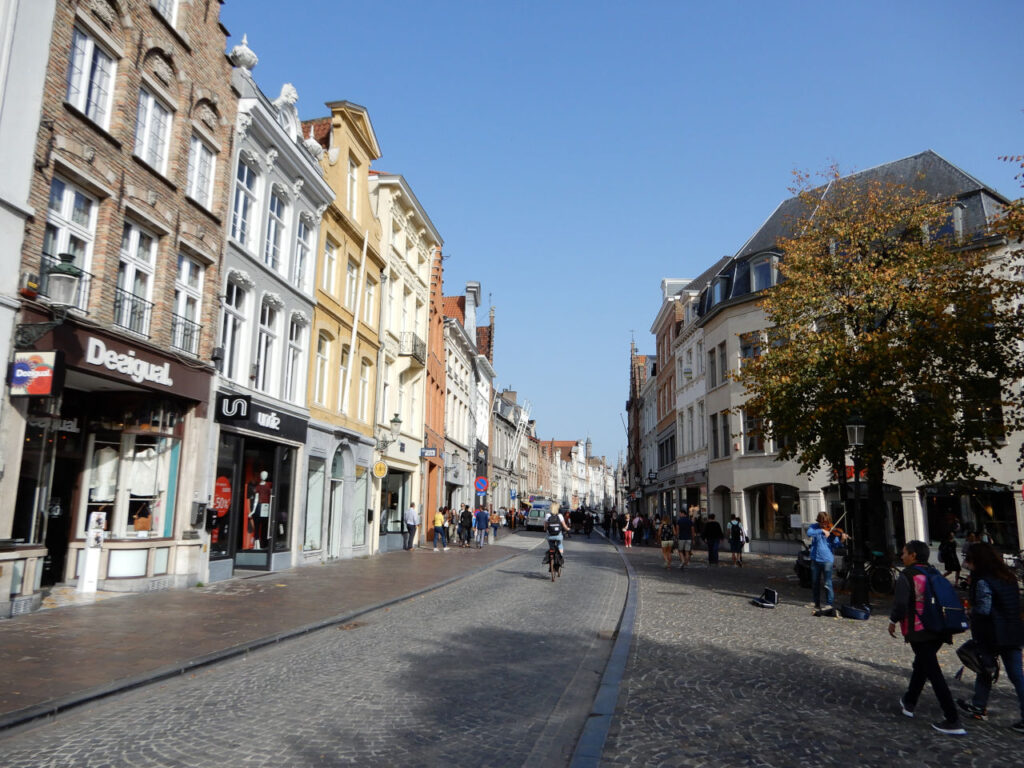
pixel 241 411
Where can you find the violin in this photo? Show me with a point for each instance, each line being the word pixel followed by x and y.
pixel 837 531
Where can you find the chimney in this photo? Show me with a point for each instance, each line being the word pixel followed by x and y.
pixel 472 302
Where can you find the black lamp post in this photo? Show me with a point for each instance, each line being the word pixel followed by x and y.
pixel 859 598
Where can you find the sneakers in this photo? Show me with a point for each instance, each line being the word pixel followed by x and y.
pixel 978 713
pixel 435 549
pixel 950 727
pixel 446 549
pixel 903 708
pixel 1018 727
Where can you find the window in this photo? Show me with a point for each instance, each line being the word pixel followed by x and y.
pixel 152 131
pixel 342 379
pixel 232 323
pixel 90 78
pixel 723 422
pixel 723 364
pixel 762 273
pixel 368 298
pixel 718 291
pixel 702 436
pixel 364 390
pixel 753 436
pixel 750 348
pixel 168 9
pixel 329 268
pixel 245 201
pixel 188 296
pixel 323 356
pixel 351 281
pixel 265 351
pixel 70 228
pixel 689 439
pixel 132 305
pixel 302 246
pixel 293 363
pixel 201 164
pixel 712 370
pixel 352 186
pixel 275 228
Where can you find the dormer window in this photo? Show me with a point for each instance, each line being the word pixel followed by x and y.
pixel 763 272
pixel 718 291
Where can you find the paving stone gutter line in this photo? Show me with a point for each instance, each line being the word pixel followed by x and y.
pixel 23 716
pixel 591 742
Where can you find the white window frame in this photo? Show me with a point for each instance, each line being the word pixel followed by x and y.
pixel 768 261
pixel 202 168
pixel 351 284
pixel 343 361
pixel 66 227
pixel 330 268
pixel 92 72
pixel 136 261
pixel 244 203
pixel 168 9
pixel 368 299
pixel 352 185
pixel 188 304
pixel 323 359
pixel 300 263
pixel 232 329
pixel 364 390
pixel 293 362
pixel 153 128
pixel 266 347
pixel 275 229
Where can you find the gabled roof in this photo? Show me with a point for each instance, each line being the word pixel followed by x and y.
pixel 360 118
pixel 454 307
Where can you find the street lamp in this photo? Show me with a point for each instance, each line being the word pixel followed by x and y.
pixel 382 439
pixel 62 281
pixel 859 598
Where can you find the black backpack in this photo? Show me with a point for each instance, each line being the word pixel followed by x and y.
pixel 667 533
pixel 554 525
pixel 943 611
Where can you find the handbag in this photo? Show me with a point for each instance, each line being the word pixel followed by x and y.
pixel 978 659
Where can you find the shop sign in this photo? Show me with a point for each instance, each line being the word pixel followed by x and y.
pixel 36 374
pixel 380 469
pixel 136 368
pixel 55 424
pixel 222 495
pixel 243 411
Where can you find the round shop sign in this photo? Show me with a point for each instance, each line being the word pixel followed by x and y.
pixel 380 469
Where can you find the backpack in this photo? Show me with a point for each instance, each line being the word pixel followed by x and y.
pixel 736 532
pixel 666 532
pixel 943 613
pixel 554 525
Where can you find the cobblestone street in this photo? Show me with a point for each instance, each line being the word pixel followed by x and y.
pixel 715 681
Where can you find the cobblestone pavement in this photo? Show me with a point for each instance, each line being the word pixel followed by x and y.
pixel 715 681
pixel 496 669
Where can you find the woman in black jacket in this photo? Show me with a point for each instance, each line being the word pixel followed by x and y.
pixel 995 625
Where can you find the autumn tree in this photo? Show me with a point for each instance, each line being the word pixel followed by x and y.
pixel 890 309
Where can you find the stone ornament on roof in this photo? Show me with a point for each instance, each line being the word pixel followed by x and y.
pixel 242 55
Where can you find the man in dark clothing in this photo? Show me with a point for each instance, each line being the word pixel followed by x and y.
pixel 684 537
pixel 466 525
pixel 907 608
pixel 713 536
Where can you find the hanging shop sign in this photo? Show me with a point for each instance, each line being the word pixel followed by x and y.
pixel 242 411
pixel 36 374
pixel 380 469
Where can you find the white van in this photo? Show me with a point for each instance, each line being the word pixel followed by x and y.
pixel 539 511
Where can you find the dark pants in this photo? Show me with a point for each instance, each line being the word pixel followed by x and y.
pixel 411 534
pixel 926 667
pixel 713 545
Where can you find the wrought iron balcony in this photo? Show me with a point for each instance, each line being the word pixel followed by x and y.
pixel 132 312
pixel 185 334
pixel 413 346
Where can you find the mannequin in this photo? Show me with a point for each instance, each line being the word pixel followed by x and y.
pixel 260 514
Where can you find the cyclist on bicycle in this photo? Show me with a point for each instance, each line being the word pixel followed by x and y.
pixel 554 525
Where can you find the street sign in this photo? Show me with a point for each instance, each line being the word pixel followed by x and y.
pixel 380 469
pixel 512 493
pixel 428 453
pixel 481 484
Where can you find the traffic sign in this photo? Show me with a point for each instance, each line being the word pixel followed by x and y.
pixel 512 493
pixel 481 484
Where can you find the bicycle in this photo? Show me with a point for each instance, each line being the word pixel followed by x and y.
pixel 554 559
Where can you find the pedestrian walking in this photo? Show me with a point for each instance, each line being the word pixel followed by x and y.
pixel 907 609
pixel 466 525
pixel 667 536
pixel 495 525
pixel 996 627
pixel 627 533
pixel 737 538
pixel 824 542
pixel 481 520
pixel 684 537
pixel 440 534
pixel 949 558
pixel 713 536
pixel 412 519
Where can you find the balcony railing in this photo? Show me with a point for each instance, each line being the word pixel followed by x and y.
pixel 414 347
pixel 46 263
pixel 185 334
pixel 132 312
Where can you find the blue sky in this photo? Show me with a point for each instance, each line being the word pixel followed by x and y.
pixel 572 154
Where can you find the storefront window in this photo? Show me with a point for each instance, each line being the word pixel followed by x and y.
pixel 771 506
pixel 315 480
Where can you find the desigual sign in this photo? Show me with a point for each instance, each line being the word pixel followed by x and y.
pixel 136 368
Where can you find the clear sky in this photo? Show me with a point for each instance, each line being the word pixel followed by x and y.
pixel 572 154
